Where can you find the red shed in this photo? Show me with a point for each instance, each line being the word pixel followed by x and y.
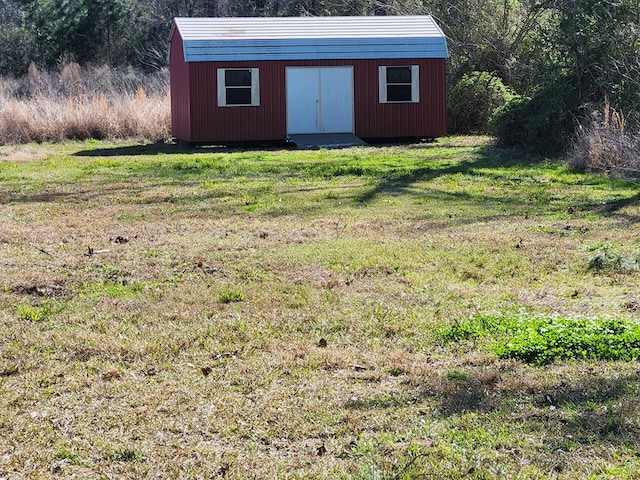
pixel 270 79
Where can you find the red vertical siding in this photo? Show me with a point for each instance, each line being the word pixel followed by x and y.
pixel 209 122
pixel 267 122
pixel 426 118
pixel 179 88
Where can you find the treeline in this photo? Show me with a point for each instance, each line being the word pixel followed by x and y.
pixel 124 32
pixel 527 71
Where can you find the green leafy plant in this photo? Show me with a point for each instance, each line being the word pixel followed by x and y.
pixel 69 455
pixel 540 121
pixel 38 313
pixel 542 340
pixel 230 296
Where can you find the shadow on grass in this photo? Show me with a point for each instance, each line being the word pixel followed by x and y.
pixel 392 177
pixel 616 205
pixel 487 157
pixel 590 409
pixel 491 157
pixel 596 408
pixel 613 208
pixel 168 148
pixel 163 147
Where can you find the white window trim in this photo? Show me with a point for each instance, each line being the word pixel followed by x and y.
pixel 255 88
pixel 415 84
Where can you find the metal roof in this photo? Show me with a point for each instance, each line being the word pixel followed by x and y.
pixel 310 38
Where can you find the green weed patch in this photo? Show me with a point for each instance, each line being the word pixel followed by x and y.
pixel 38 313
pixel 230 296
pixel 542 340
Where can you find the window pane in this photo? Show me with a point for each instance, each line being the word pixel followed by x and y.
pixel 237 78
pixel 238 96
pixel 398 93
pixel 398 74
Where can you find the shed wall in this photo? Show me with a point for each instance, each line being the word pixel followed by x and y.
pixel 426 118
pixel 180 92
pixel 267 122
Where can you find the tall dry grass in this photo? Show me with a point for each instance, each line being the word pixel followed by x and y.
pixel 606 144
pixel 84 102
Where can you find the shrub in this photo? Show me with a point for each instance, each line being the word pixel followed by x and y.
pixel 473 99
pixel 542 122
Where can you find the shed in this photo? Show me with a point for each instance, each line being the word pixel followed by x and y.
pixel 269 79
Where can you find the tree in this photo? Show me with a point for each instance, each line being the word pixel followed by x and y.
pixel 15 43
pixel 87 31
pixel 592 58
pixel 600 42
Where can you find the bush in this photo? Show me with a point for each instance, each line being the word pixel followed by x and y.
pixel 542 122
pixel 472 101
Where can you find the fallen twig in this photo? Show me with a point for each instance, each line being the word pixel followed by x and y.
pixel 91 251
pixel 41 250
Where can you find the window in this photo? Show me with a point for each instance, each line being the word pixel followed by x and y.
pixel 238 87
pixel 399 84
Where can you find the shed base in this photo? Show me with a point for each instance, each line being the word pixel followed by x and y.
pixel 326 140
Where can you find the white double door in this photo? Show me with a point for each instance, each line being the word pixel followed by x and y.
pixel 319 100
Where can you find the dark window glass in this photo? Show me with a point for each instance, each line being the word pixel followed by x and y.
pixel 399 93
pixel 237 78
pixel 399 75
pixel 238 96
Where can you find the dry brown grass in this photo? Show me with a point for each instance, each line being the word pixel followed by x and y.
pixel 605 144
pixel 80 103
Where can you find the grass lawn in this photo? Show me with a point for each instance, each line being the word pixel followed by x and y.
pixel 444 310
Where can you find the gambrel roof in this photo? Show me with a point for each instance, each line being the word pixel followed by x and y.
pixel 310 38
